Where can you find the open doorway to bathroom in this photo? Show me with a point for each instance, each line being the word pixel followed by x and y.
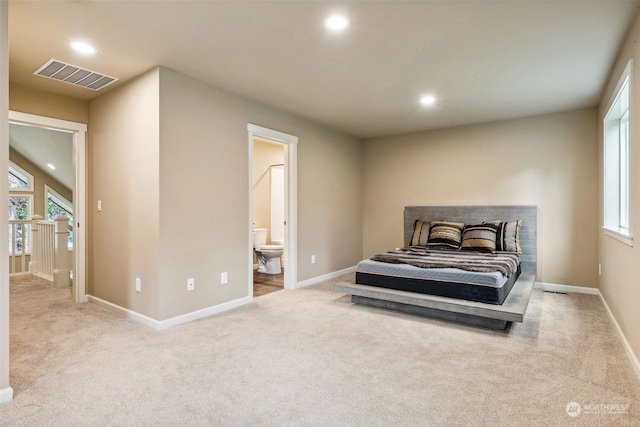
pixel 272 210
pixel 268 216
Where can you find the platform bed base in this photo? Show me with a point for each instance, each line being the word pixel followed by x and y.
pixel 483 322
pixel 490 316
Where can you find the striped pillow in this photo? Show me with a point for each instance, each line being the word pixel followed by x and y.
pixel 420 233
pixel 508 236
pixel 445 234
pixel 480 237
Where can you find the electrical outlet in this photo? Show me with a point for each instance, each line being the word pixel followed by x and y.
pixel 138 285
pixel 191 284
pixel 224 279
pixel 313 259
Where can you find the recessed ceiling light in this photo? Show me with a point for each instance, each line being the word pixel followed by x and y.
pixel 337 22
pixel 51 166
pixel 83 47
pixel 428 100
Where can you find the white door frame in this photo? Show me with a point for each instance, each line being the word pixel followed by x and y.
pixel 291 202
pixel 79 131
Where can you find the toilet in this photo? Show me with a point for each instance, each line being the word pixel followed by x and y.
pixel 268 255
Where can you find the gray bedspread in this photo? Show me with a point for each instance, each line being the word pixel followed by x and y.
pixel 505 263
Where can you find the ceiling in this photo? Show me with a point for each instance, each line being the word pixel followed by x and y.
pixel 483 60
pixel 45 146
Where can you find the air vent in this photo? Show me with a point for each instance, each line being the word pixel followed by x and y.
pixel 61 71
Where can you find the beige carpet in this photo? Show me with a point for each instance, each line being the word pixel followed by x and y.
pixel 310 357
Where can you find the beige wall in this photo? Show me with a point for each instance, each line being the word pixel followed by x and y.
pixel 174 189
pixel 549 161
pixel 27 100
pixel 204 160
pixel 620 266
pixel 265 154
pixel 125 176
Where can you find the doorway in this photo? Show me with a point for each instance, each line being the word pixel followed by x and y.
pixel 78 132
pixel 282 166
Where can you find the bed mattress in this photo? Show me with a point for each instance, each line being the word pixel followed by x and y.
pixel 485 287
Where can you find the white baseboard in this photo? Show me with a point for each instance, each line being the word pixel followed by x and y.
pixel 174 321
pixel 205 312
pixel 552 287
pixel 593 291
pixel 6 395
pixel 627 347
pixel 324 277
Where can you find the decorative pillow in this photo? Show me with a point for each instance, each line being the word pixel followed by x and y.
pixel 420 233
pixel 480 237
pixel 445 234
pixel 508 236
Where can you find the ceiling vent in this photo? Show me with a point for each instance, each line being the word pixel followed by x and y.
pixel 74 75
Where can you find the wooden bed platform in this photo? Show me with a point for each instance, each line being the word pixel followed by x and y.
pixel 490 316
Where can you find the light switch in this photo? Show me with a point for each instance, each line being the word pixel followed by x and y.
pixel 99 205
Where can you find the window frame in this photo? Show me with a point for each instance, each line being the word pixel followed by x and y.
pixel 22 192
pixel 30 204
pixel 617 219
pixel 65 204
pixel 27 246
pixel 29 177
pixel 57 199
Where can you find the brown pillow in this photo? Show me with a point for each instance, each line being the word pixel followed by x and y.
pixel 445 234
pixel 480 237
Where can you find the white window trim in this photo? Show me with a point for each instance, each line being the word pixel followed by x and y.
pixel 62 201
pixel 622 235
pixel 25 173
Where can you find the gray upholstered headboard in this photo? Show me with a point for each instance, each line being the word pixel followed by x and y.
pixel 478 214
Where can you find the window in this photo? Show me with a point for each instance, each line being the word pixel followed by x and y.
pixel 19 179
pixel 616 159
pixel 20 207
pixel 59 206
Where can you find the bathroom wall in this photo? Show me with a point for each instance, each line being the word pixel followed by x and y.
pixel 277 205
pixel 265 154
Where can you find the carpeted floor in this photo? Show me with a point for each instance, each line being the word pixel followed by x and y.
pixel 309 357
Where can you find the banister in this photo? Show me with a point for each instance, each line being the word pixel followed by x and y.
pixel 45 242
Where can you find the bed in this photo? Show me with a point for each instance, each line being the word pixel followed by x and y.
pixel 469 290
